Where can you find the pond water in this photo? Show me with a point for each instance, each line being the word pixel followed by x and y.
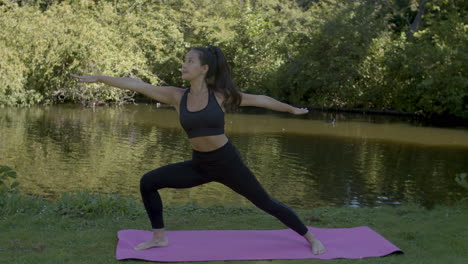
pixel 303 161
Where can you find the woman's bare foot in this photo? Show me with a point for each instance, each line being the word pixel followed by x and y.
pixel 315 244
pixel 150 244
pixel 159 239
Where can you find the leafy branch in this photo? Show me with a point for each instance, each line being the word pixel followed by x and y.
pixel 7 173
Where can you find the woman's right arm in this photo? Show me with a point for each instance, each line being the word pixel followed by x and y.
pixel 163 94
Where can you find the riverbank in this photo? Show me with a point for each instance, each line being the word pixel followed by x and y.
pixel 335 113
pixel 82 228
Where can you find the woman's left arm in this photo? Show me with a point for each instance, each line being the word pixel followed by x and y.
pixel 270 103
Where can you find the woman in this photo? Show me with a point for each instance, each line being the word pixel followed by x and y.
pixel 201 112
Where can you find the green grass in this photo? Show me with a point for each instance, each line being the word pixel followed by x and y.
pixel 82 228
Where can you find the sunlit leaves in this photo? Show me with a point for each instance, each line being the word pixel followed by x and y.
pixel 354 54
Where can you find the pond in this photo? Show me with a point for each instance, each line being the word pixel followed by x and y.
pixel 303 161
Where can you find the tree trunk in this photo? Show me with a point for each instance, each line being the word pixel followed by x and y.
pixel 417 20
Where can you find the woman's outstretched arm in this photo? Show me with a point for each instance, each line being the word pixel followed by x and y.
pixel 163 94
pixel 270 103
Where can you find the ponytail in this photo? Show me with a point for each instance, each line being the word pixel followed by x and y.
pixel 219 70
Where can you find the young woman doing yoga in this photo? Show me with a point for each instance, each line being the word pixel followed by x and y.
pixel 201 113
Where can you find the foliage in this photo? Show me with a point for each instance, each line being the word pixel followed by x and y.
pixel 78 204
pixel 7 188
pixel 461 180
pixel 354 54
pixel 88 205
pixel 429 72
pixel 65 38
pixel 323 71
pixel 6 174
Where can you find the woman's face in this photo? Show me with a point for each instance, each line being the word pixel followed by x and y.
pixel 192 68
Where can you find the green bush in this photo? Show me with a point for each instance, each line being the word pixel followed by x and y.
pixel 65 38
pixel 351 54
pixel 7 185
pixel 87 205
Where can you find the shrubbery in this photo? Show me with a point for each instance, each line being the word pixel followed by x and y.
pixel 352 54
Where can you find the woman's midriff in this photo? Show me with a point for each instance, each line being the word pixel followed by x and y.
pixel 208 143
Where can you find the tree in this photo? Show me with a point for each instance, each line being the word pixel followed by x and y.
pixel 410 11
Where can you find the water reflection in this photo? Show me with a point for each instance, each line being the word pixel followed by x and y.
pixel 303 161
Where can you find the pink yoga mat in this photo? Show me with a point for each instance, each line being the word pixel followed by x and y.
pixel 209 245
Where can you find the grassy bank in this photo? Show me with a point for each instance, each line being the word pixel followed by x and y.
pixel 82 228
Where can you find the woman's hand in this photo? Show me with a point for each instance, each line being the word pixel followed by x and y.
pixel 299 111
pixel 86 78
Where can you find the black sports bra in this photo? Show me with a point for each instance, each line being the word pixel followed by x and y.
pixel 207 122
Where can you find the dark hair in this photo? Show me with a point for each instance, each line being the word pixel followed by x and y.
pixel 218 76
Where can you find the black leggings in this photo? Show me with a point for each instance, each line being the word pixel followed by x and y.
pixel 223 165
